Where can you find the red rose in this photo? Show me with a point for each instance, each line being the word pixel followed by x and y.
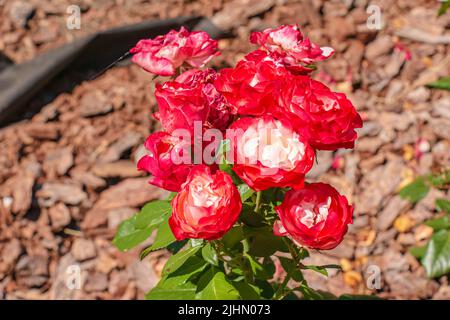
pixel 168 172
pixel 289 45
pixel 191 97
pixel 268 153
pixel 327 118
pixel 251 88
pixel 315 216
pixel 164 54
pixel 207 206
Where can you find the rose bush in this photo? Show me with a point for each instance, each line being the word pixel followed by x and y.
pixel 235 149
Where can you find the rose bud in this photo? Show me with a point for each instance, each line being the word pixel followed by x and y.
pixel 164 54
pixel 269 153
pixel 207 206
pixel 251 87
pixel 167 171
pixel 327 118
pixel 315 216
pixel 190 98
pixel 291 47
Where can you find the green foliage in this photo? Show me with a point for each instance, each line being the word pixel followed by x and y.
pixel 240 265
pixel 443 205
pixel 179 259
pixel 129 236
pixel 153 213
pixel 444 7
pixel 210 255
pixel 415 191
pixel 418 189
pixel 213 285
pixel 442 83
pixel 164 238
pixel 139 227
pixel 245 192
pixel 262 241
pixel 435 255
pixel 436 258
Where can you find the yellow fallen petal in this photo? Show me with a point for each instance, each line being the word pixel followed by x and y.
pixel 346 264
pixel 403 223
pixel 408 152
pixel 352 278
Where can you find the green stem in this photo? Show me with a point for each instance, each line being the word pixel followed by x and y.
pixel 258 200
pixel 279 294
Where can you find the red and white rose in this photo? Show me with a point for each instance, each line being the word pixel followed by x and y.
pixel 288 45
pixel 267 153
pixel 316 216
pixel 327 118
pixel 189 98
pixel 164 54
pixel 164 161
pixel 206 207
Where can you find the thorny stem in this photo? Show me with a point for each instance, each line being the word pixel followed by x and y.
pixel 292 251
pixel 279 293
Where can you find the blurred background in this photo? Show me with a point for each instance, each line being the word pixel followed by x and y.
pixel 67 161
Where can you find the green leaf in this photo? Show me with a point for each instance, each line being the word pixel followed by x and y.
pixel 213 285
pixel 176 246
pixel 436 259
pixel 418 252
pixel 250 217
pixel 128 236
pixel 269 266
pixel 263 242
pixel 311 294
pixel 290 267
pixel 444 7
pixel 153 213
pixel 442 83
pixel 221 158
pixel 164 237
pixel 181 292
pixel 175 288
pixel 177 260
pixel 247 291
pixel 415 191
pixel 439 223
pixel 266 289
pixel 440 180
pixel 210 255
pixel 443 205
pixel 245 191
pixel 233 237
pixel 323 269
pixel 257 268
pixel 191 268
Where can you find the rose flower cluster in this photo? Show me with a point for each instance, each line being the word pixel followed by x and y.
pixel 273 116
